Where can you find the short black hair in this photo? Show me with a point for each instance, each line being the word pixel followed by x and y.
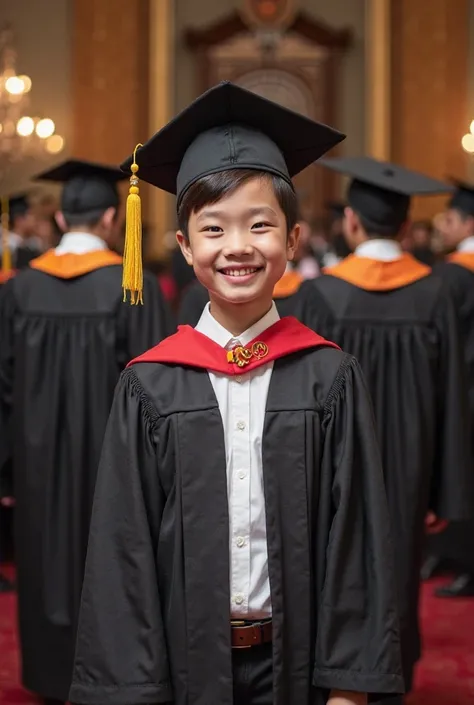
pixel 213 187
pixel 89 218
pixel 370 229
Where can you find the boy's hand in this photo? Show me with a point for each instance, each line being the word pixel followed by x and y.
pixel 433 525
pixel 344 697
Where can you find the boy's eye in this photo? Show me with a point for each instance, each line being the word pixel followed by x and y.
pixel 212 229
pixel 260 225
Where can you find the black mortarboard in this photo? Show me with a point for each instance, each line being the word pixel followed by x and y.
pixel 380 191
pixel 226 128
pixel 89 188
pixel 463 197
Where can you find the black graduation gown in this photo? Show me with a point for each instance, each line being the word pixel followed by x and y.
pixel 155 611
pixel 456 543
pixel 407 342
pixel 64 343
pixel 196 297
pixel 25 253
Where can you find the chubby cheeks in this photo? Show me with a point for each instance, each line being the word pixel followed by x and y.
pixel 240 245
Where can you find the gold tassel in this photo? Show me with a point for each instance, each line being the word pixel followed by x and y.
pixel 132 279
pixel 6 252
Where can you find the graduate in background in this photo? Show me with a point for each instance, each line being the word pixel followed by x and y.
pixel 22 241
pixel 457 228
pixel 17 228
pixel 387 309
pixel 65 337
pixel 241 458
pixel 338 248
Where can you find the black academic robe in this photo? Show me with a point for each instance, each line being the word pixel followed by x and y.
pixel 155 614
pixel 64 342
pixel 456 543
pixel 25 253
pixel 288 300
pixel 404 333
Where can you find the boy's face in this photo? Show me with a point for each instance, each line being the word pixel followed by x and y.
pixel 239 246
pixel 455 228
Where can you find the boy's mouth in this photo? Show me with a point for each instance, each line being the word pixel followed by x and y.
pixel 239 271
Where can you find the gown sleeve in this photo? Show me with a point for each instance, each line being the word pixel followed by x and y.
pixel 7 314
pixel 143 327
pixel 357 645
pixel 121 655
pixel 452 486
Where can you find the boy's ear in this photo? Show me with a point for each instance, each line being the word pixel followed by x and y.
pixel 61 221
pixel 185 247
pixel 292 242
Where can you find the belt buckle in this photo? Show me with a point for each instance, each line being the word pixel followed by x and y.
pixel 242 623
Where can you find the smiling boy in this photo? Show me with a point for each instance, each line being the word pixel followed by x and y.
pixel 239 550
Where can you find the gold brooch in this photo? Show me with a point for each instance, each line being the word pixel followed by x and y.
pixel 241 356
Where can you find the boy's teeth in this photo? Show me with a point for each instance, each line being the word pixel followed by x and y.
pixel 239 272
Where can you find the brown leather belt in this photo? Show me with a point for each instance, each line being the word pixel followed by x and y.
pixel 247 634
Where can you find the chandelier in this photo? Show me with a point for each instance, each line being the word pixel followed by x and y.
pixel 21 135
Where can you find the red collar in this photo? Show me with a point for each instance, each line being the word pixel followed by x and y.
pixel 190 348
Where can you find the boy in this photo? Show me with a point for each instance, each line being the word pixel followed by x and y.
pixel 455 544
pixel 386 308
pixel 239 548
pixel 65 339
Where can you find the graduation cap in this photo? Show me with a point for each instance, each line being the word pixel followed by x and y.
pixel 226 128
pixel 463 197
pixel 89 188
pixel 381 192
pixel 12 207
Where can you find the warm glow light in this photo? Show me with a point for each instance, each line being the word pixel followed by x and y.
pixel 472 127
pixel 25 126
pixel 45 128
pixel 26 83
pixel 467 143
pixel 55 144
pixel 14 85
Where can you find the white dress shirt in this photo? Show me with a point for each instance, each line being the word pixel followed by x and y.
pixel 380 249
pixel 242 401
pixel 77 243
pixel 467 245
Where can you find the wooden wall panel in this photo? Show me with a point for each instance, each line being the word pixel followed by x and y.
pixel 430 50
pixel 110 77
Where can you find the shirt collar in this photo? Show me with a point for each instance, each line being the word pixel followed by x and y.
pixel 78 243
pixel 380 249
pixel 466 245
pixel 208 325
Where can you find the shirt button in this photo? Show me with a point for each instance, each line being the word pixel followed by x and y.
pixel 238 379
pixel 240 541
pixel 241 425
pixel 242 474
pixel 238 599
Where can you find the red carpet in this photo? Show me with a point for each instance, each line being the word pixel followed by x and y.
pixel 445 675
